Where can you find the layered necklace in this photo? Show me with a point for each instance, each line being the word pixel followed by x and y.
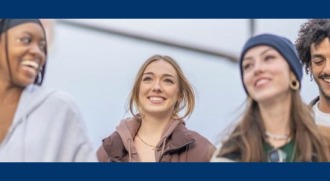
pixel 277 137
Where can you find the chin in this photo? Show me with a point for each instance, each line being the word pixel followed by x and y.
pixel 325 93
pixel 263 97
pixel 24 83
pixel 157 111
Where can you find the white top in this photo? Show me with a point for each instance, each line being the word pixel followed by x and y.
pixel 321 118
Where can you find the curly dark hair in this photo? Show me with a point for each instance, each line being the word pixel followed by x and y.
pixel 312 32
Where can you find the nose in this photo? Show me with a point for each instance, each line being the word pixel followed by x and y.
pixel 157 87
pixel 37 51
pixel 258 67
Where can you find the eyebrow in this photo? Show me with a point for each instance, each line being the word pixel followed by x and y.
pixel 262 53
pixel 164 75
pixel 317 56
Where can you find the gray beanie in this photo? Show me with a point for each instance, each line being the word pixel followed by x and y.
pixel 282 45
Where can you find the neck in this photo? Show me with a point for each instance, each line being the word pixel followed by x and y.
pixel 153 126
pixel 324 104
pixel 9 94
pixel 276 116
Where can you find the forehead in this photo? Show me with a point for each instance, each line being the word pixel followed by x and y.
pixel 259 50
pixel 160 67
pixel 323 46
pixel 32 28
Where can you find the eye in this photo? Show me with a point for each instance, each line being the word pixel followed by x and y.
pixel 24 40
pixel 269 57
pixel 169 81
pixel 247 66
pixel 318 60
pixel 147 79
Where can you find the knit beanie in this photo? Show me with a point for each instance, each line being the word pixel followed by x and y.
pixel 282 45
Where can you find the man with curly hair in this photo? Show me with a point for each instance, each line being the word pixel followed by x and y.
pixel 313 45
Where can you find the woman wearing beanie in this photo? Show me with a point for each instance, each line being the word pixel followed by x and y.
pixel 276 125
pixel 37 124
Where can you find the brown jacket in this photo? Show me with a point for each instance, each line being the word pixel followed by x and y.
pixel 178 144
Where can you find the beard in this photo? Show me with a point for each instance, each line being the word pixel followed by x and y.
pixel 324 92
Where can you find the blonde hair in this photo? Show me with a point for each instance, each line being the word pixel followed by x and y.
pixel 185 89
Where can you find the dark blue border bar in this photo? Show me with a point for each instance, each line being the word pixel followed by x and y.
pixel 164 171
pixel 165 9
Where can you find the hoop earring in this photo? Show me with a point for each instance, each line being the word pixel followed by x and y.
pixel 294 85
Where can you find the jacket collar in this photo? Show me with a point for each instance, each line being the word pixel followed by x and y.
pixel 180 138
pixel 121 143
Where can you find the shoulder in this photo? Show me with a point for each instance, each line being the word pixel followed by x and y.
pixel 200 144
pixel 51 104
pixel 195 135
pixel 201 139
pixel 112 148
pixel 61 97
pixel 38 94
pixel 114 137
pixel 60 100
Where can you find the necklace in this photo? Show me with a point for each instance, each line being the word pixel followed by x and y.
pixel 152 146
pixel 277 137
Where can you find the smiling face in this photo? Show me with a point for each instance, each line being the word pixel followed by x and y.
pixel 159 89
pixel 266 74
pixel 320 67
pixel 26 54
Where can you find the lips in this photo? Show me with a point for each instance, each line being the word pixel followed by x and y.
pixel 261 81
pixel 30 67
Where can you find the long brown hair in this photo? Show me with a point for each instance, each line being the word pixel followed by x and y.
pixel 186 91
pixel 246 140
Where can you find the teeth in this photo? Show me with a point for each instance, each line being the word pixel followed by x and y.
pixel 29 63
pixel 327 80
pixel 156 99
